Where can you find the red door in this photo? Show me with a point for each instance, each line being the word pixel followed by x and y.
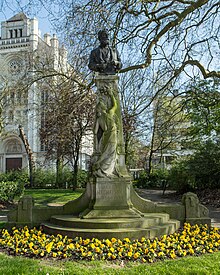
pixel 13 164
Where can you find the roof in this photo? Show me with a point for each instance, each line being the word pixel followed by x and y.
pixel 18 17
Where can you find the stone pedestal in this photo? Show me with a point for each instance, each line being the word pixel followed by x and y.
pixel 110 189
pixel 110 198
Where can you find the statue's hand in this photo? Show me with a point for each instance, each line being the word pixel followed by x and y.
pixel 117 65
pixel 114 63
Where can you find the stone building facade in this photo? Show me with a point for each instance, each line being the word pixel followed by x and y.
pixel 20 43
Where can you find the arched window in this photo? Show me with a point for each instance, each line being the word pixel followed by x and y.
pixel 13 146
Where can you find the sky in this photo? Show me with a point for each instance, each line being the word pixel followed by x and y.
pixel 9 9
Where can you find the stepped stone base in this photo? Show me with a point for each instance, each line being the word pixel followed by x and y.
pixel 110 213
pixel 3 220
pixel 148 226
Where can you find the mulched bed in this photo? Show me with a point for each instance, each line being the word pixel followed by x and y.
pixel 6 205
pixel 209 197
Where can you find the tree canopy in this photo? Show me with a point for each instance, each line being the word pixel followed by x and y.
pixel 167 33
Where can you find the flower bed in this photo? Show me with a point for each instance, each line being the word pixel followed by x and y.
pixel 191 240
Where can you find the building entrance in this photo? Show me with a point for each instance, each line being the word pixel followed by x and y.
pixel 13 164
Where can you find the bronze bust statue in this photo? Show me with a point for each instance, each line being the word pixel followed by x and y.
pixel 104 59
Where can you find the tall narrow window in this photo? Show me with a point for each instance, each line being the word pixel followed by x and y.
pixel 20 31
pixel 16 33
pixel 11 33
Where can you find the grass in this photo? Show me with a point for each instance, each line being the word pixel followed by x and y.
pixel 55 196
pixel 206 264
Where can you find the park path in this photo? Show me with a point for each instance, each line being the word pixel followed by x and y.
pixel 170 197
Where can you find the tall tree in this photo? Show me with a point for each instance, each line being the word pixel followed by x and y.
pixel 202 104
pixel 68 118
pixel 168 127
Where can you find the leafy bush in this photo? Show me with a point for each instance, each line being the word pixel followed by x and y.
pixel 47 179
pixel 180 178
pixel 18 176
pixel 200 171
pixel 82 178
pixel 44 178
pixel 10 189
pixel 156 179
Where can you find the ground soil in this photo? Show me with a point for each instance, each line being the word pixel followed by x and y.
pixel 7 205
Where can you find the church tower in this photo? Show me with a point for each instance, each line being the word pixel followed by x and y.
pixel 20 41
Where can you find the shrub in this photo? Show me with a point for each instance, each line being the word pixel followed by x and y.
pixel 47 179
pixel 82 178
pixel 18 176
pixel 200 171
pixel 180 178
pixel 44 178
pixel 9 190
pixel 156 179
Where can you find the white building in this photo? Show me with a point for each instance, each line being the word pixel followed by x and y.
pixel 20 43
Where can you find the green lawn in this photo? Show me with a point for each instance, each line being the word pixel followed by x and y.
pixel 207 264
pixel 54 196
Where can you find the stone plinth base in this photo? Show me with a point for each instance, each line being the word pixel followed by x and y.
pixel 110 198
pixel 149 226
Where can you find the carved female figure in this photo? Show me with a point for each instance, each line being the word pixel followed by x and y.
pixel 105 131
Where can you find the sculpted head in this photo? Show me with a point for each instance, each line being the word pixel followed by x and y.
pixel 103 38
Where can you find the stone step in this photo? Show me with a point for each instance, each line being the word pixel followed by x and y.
pixel 74 222
pixel 3 218
pixel 102 233
pixel 120 233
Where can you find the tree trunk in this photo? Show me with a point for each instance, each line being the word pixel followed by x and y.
pixel 29 153
pixel 59 171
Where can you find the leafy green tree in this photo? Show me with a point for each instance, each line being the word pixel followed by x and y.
pixel 199 171
pixel 68 114
pixel 202 103
pixel 168 128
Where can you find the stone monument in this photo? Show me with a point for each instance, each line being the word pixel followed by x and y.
pixel 106 208
pixel 111 180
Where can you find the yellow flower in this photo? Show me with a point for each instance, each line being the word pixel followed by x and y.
pixel 31 245
pixel 146 251
pixel 129 253
pixel 97 250
pixel 127 240
pixel 109 243
pixel 143 240
pixel 71 246
pixel 113 240
pixel 109 255
pixel 172 255
pixel 85 242
pixel 191 251
pixel 136 255
pixel 160 254
pixel 49 247
pixel 92 245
